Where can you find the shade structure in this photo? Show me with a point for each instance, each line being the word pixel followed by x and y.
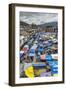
pixel 27 47
pixel 54 66
pixel 45 42
pixel 26 65
pixel 48 57
pixel 49 43
pixel 21 53
pixel 55 56
pixel 40 44
pixel 45 74
pixel 40 49
pixel 53 63
pixel 55 72
pixel 32 51
pixel 54 69
pixel 31 54
pixel 39 64
pixel 34 47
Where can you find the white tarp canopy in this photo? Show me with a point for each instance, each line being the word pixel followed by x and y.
pixel 54 56
pixel 34 47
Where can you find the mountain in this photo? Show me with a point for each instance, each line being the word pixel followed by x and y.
pixel 23 23
pixel 50 24
pixel 34 26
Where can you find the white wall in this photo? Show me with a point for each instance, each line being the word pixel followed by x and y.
pixel 4 45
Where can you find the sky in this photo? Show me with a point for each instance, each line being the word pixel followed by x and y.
pixel 38 17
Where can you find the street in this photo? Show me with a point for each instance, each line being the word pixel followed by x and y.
pixel 41 50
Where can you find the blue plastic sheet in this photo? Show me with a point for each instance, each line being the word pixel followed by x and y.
pixel 40 49
pixel 48 57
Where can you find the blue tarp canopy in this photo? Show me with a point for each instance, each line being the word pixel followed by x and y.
pixel 45 74
pixel 21 54
pixel 34 47
pixel 40 49
pixel 54 66
pixel 54 71
pixel 53 63
pixel 39 65
pixel 48 57
pixel 32 52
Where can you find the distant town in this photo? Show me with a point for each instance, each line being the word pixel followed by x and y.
pixel 28 30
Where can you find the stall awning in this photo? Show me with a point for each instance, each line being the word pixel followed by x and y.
pixel 31 54
pixel 48 57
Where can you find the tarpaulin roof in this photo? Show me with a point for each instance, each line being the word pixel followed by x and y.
pixel 34 46
pixel 45 74
pixel 26 65
pixel 54 56
pixel 40 49
pixel 38 64
pixel 48 57
pixel 31 54
pixel 53 63
pixel 26 46
pixel 21 52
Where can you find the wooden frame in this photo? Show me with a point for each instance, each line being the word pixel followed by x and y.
pixel 12 43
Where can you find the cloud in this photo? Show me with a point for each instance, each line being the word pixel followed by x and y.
pixel 38 18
